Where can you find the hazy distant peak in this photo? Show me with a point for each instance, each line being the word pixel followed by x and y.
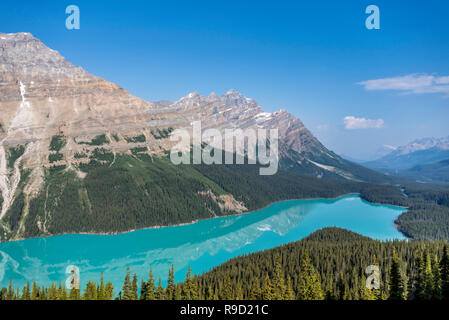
pixel 424 144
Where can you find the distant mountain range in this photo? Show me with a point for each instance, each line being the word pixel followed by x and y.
pixel 432 172
pixel 423 160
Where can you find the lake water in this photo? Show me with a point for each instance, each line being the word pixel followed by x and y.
pixel 203 245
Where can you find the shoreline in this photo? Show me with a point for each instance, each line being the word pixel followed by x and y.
pixel 204 219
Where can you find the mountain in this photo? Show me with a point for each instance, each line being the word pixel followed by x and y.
pixel 437 172
pixel 352 159
pixel 418 152
pixel 81 154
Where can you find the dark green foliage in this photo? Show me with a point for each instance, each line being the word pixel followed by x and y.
pixel 397 289
pixel 54 157
pixel 444 273
pixel 170 290
pixel 137 150
pixel 339 257
pixel 115 137
pixel 126 289
pixel 15 211
pixel 309 287
pixel 161 134
pixel 102 155
pixel 57 142
pixel 54 169
pixel 14 154
pixel 80 155
pixel 140 138
pixel 97 141
pixel 428 213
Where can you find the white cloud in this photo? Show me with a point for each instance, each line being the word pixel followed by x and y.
pixel 352 123
pixel 412 83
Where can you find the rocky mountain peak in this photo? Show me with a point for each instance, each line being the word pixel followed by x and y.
pixel 234 99
pixel 25 58
pixel 423 144
pixel 213 97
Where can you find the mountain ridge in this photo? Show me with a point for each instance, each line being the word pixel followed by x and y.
pixel 59 125
pixel 418 152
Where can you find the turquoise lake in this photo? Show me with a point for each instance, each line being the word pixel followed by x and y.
pixel 203 245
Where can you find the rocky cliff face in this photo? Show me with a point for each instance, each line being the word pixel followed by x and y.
pixel 42 95
pixel 55 114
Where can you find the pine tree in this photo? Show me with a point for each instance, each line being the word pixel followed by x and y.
pixel 227 293
pixel 75 294
pixel 178 292
pixel 143 290
pixel 418 281
pixel 150 286
pixel 11 294
pixel 436 277
pixel 309 282
pixel 90 293
pixel 101 289
pixel 35 291
pixel 289 293
pixel 428 278
pixel 365 293
pixel 52 292
pixel 62 292
pixel 109 291
pixel 43 293
pixel 160 293
pixel 189 290
pixel 267 289
pixel 170 290
pixel 397 289
pixel 210 293
pixel 126 289
pixel 278 280
pixel 134 288
pixel 255 291
pixel 238 291
pixel 26 292
pixel 341 287
pixel 444 271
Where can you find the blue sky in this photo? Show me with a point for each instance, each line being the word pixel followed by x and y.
pixel 312 58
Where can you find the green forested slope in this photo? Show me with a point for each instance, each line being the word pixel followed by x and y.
pixel 339 258
pixel 115 193
pixel 129 192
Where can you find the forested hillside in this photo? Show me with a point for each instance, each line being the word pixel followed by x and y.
pixel 339 259
pixel 115 193
pixel 119 192
pixel 329 264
